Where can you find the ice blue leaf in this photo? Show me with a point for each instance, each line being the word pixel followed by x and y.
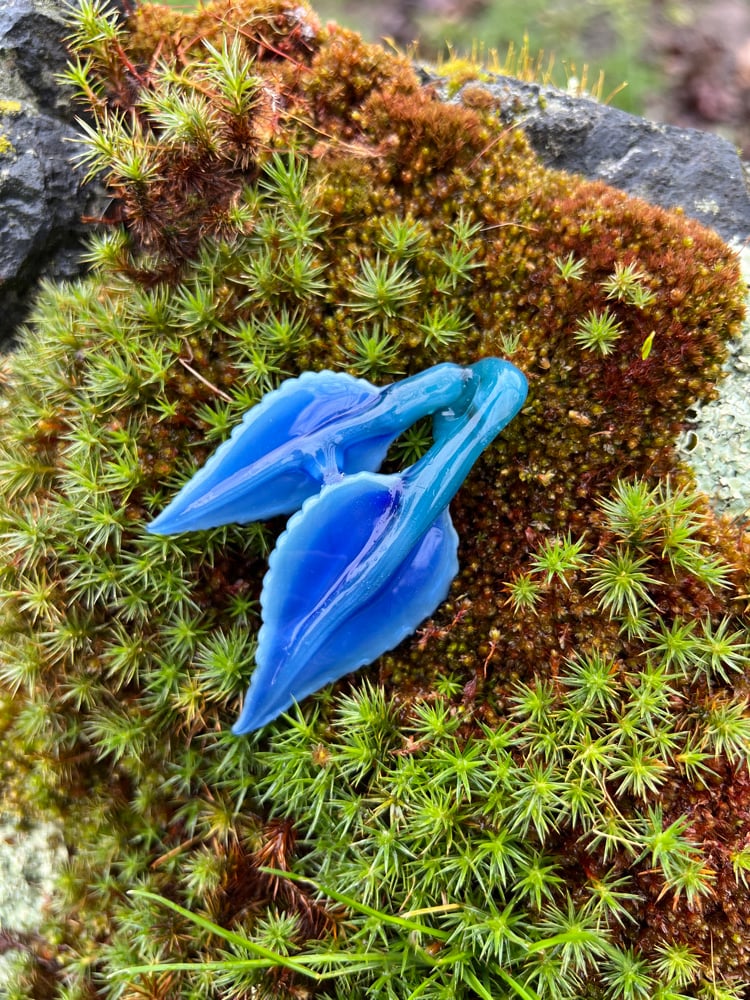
pixel 362 564
pixel 311 583
pixel 306 433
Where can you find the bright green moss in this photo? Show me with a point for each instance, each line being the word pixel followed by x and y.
pixel 549 781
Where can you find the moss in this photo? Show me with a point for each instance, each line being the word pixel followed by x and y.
pixel 530 774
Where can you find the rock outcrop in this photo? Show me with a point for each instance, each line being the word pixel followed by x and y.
pixel 41 197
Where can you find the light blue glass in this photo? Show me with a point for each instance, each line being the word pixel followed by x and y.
pixel 369 558
pixel 303 435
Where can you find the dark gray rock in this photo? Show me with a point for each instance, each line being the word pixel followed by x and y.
pixel 697 171
pixel 41 197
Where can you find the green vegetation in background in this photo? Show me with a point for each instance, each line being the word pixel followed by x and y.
pixel 596 45
pixel 571 41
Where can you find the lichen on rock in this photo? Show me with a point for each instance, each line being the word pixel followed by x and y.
pixel 716 441
pixel 30 859
pixel 545 789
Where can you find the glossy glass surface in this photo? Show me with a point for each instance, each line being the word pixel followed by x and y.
pixel 306 433
pixel 369 558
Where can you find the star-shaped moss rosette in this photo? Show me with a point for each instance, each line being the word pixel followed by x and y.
pixel 553 770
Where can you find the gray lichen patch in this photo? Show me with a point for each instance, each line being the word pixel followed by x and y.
pixel 716 442
pixel 30 859
pixel 7 109
pixel 707 206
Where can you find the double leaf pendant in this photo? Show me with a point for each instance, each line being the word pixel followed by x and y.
pixel 367 556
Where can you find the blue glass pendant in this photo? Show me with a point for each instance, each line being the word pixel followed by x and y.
pixel 306 433
pixel 370 557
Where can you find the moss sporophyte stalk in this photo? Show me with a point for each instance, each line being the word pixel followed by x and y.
pixel 544 792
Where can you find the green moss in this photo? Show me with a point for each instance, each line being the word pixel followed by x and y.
pixel 553 771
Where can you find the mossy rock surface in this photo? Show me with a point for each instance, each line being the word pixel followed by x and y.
pixel 542 793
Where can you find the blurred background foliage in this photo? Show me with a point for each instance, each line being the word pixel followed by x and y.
pixel 684 62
